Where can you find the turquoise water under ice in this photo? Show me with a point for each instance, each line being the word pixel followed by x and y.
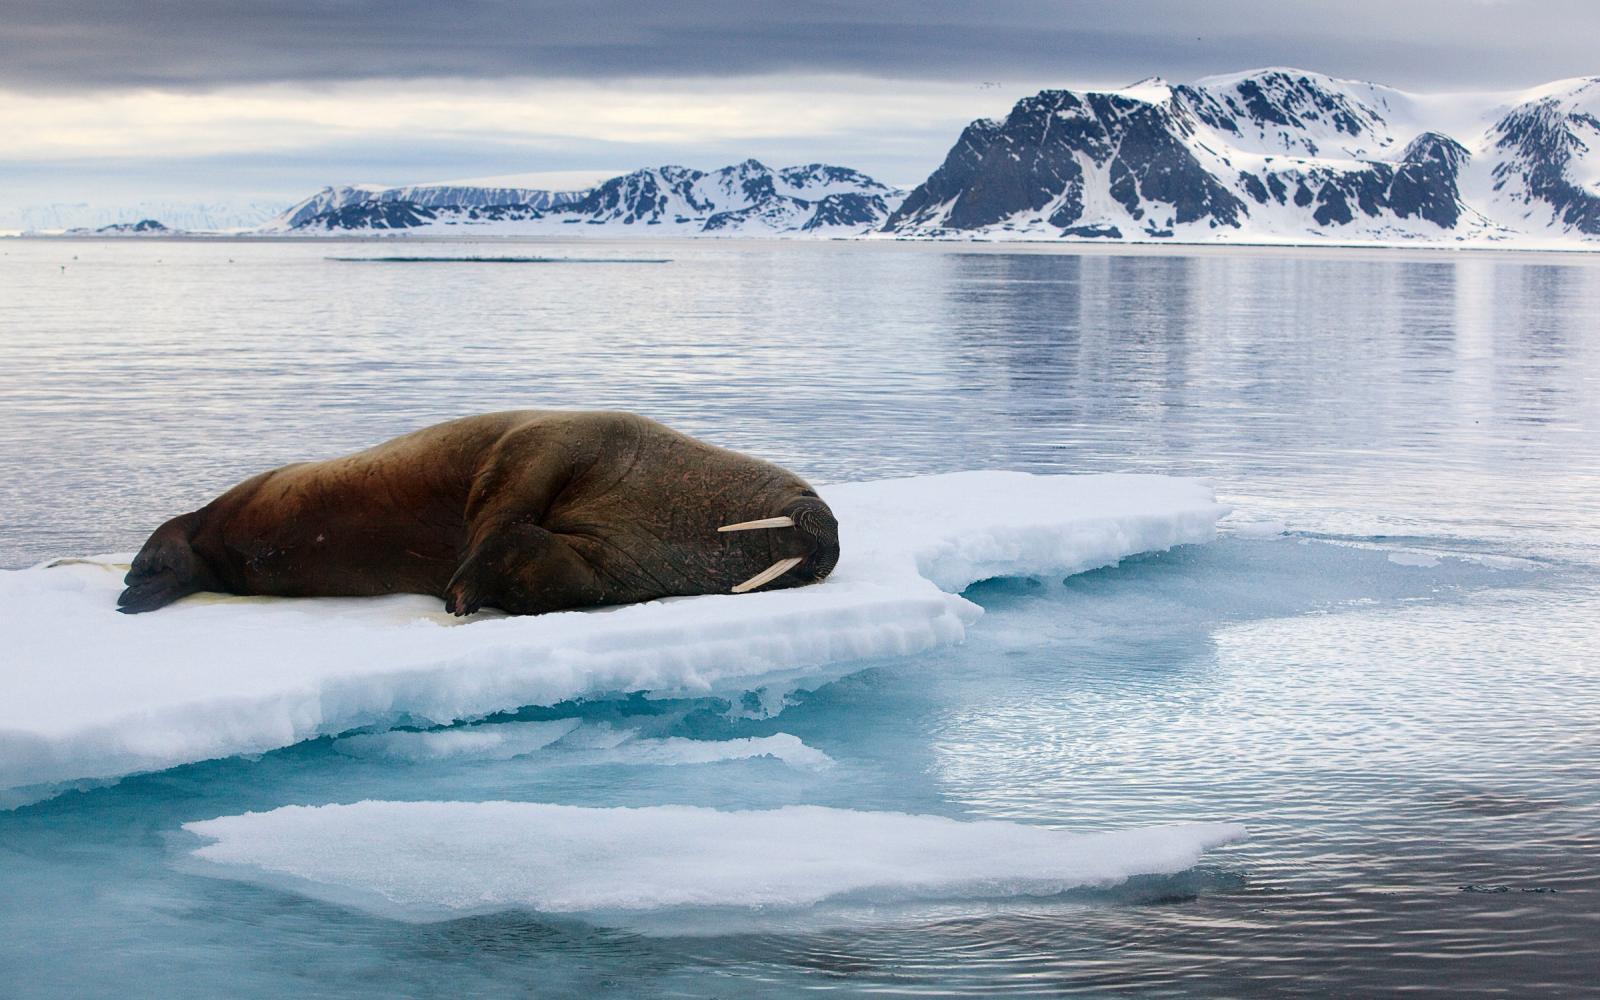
pixel 1400 696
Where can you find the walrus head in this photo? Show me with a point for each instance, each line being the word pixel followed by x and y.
pixel 816 528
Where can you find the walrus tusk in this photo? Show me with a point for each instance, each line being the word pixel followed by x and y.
pixel 769 574
pixel 765 522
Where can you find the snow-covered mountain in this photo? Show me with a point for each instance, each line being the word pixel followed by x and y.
pixel 1276 155
pixel 744 199
pixel 1267 156
pixel 359 206
pixel 144 227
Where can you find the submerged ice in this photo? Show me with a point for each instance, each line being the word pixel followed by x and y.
pixel 385 857
pixel 569 740
pixel 86 693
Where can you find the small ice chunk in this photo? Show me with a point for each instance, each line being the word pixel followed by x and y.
pixel 1259 529
pixel 490 742
pixel 438 860
pixel 677 750
pixel 1503 562
pixel 1412 558
pixel 582 744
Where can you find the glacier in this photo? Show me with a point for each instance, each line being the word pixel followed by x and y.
pixel 427 861
pixel 89 694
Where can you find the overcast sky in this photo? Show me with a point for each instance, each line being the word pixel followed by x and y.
pixel 269 99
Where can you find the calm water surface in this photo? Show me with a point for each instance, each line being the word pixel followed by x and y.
pixel 1400 696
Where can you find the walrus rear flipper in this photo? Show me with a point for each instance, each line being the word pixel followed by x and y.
pixel 163 571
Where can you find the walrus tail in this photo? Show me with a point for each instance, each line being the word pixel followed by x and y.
pixel 163 571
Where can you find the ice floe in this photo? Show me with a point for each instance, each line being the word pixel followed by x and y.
pixel 87 693
pixel 385 857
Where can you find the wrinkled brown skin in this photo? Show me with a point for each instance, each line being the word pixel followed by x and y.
pixel 527 511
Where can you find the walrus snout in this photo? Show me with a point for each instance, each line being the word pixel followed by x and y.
pixel 814 522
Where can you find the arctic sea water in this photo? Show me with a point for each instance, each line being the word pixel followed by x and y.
pixel 1385 667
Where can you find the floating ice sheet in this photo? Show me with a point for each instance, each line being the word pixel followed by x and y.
pixel 87 693
pixel 385 857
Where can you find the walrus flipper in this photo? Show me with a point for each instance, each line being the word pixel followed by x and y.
pixel 522 569
pixel 163 571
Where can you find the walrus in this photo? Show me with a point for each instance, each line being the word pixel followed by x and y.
pixel 528 511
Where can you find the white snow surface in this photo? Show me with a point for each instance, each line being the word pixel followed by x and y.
pixel 88 693
pixel 439 860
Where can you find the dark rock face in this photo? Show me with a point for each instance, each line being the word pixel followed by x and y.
pixel 1153 167
pixel 1540 141
pixel 372 215
pixel 1094 232
pixel 826 174
pixel 858 210
pixel 1425 185
pixel 949 182
pixel 142 226
pixel 639 197
pixel 1035 160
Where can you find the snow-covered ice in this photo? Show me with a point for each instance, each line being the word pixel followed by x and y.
pixel 385 857
pixel 87 693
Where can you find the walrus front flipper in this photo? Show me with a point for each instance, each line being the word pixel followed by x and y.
pixel 522 569
pixel 163 571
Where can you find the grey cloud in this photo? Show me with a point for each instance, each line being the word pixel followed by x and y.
pixel 99 44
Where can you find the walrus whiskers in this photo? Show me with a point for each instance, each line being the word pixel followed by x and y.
pixel 769 574
pixel 765 522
